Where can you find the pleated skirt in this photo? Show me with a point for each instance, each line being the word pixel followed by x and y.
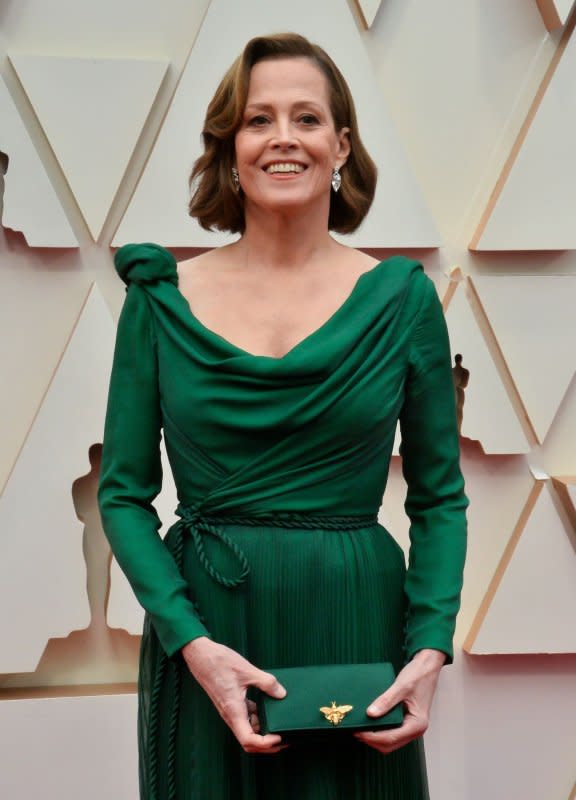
pixel 312 597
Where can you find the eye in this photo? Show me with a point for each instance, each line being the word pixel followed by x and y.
pixel 258 120
pixel 308 119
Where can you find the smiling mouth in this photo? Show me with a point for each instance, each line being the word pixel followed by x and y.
pixel 284 168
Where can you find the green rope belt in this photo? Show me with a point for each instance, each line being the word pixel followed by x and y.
pixel 196 523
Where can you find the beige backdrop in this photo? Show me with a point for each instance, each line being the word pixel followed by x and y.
pixel 471 108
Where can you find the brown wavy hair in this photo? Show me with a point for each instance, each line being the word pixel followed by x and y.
pixel 214 202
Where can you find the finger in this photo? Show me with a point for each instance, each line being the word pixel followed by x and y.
pixel 253 742
pixel 251 706
pixel 268 683
pixel 263 744
pixel 246 727
pixel 271 751
pixel 391 697
pixel 390 740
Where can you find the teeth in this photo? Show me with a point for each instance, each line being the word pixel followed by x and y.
pixel 284 167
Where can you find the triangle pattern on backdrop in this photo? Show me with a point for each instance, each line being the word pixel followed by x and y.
pixel 488 414
pixel 533 205
pixel 42 544
pixel 566 489
pixel 45 547
pixel 555 12
pixel 30 203
pixel 571 488
pixel 534 323
pixel 529 605
pixel 368 10
pixel 158 209
pixel 93 120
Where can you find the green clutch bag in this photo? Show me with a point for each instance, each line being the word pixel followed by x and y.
pixel 324 700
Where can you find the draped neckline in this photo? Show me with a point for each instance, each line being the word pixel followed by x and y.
pixel 302 343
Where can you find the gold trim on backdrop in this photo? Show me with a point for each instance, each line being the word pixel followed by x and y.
pixel 502 365
pixel 359 6
pixel 520 139
pixel 502 567
pixel 85 690
pixel 455 277
pixel 561 484
pixel 49 384
pixel 550 14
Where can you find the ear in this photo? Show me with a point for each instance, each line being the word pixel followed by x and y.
pixel 343 146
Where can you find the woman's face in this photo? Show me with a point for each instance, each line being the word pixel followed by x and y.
pixel 287 146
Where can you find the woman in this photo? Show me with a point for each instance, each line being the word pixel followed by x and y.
pixel 279 432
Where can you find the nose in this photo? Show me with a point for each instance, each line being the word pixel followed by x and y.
pixel 282 134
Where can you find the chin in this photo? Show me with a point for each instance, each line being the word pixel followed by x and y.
pixel 288 204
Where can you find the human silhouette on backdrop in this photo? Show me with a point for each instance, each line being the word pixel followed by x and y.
pixel 461 376
pixel 4 160
pixel 3 170
pixel 96 654
pixel 10 239
pixel 95 547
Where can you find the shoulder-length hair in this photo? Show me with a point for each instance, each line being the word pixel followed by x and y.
pixel 214 201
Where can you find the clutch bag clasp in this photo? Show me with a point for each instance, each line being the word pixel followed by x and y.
pixel 335 714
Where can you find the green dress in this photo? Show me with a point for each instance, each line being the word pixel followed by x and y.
pixel 280 466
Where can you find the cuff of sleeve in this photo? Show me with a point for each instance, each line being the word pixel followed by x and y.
pixel 443 649
pixel 174 638
pixel 433 640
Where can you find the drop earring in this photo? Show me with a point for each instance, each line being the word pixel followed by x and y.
pixel 236 179
pixel 336 179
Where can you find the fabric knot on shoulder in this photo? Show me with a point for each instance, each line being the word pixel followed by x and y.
pixel 145 263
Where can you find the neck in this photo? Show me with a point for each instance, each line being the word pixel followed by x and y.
pixel 285 241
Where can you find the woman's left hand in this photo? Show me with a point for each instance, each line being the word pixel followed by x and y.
pixel 414 686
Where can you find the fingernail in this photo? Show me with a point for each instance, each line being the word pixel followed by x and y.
pixel 280 692
pixel 372 710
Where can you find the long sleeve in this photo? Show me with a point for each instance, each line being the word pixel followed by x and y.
pixel 435 499
pixel 131 477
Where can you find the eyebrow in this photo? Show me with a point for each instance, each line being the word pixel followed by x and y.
pixel 268 107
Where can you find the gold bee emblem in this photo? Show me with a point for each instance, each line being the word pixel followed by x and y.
pixel 335 714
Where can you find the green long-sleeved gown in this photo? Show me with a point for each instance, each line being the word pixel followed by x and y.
pixel 280 466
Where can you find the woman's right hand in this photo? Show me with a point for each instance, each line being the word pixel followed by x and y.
pixel 225 676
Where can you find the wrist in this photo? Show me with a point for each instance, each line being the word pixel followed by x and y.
pixel 193 646
pixel 430 657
